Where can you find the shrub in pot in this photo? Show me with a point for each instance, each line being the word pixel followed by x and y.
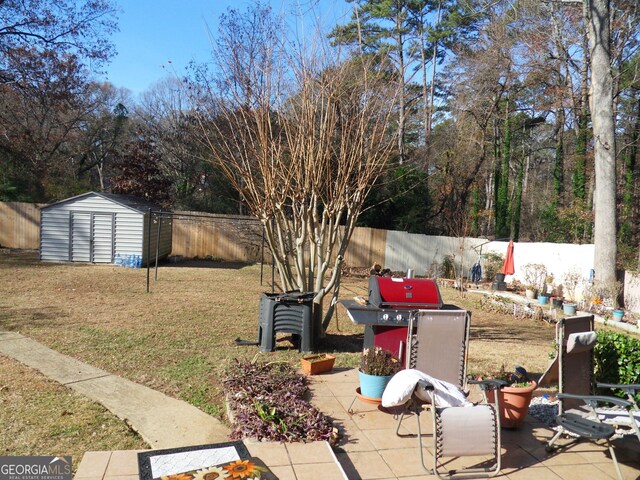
pixel 514 397
pixel 377 366
pixel 535 276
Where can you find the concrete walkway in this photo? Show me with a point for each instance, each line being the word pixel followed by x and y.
pixel 162 421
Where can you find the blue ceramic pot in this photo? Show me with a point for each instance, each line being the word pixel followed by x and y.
pixel 372 386
pixel 543 299
pixel 569 308
pixel 617 315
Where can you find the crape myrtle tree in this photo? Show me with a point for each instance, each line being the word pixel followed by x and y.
pixel 302 134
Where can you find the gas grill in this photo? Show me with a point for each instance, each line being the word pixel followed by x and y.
pixel 386 314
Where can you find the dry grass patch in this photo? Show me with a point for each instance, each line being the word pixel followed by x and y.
pixel 41 417
pixel 497 339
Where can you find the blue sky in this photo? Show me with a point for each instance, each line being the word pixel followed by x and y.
pixel 171 33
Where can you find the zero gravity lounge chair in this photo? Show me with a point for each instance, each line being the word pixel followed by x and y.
pixel 437 347
pixel 580 413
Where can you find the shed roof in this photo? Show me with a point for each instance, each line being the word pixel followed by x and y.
pixel 129 201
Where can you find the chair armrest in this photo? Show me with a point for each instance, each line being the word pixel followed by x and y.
pixel 629 388
pixel 591 399
pixel 490 384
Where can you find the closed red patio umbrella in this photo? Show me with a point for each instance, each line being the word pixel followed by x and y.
pixel 507 266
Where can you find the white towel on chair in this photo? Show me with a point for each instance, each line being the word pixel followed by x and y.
pixel 406 382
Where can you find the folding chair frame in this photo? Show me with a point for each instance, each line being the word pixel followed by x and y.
pixel 588 427
pixel 416 406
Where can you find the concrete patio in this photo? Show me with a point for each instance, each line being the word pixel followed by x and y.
pixel 370 449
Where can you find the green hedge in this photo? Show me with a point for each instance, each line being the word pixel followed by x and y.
pixel 617 359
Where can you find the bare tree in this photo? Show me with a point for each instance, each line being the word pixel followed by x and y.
pixel 303 144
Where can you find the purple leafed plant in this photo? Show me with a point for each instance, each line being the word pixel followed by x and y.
pixel 267 403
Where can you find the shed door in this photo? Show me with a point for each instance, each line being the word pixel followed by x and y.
pixel 91 237
pixel 80 245
pixel 102 251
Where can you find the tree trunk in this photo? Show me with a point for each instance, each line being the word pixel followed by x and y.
pixel 582 128
pixel 401 101
pixel 598 24
pixel 475 214
pixel 430 102
pixel 497 178
pixel 502 197
pixel 517 202
pixel 558 168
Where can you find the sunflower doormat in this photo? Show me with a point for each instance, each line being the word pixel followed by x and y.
pixel 204 462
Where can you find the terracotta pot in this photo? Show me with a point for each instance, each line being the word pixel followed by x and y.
pixel 320 363
pixel 514 404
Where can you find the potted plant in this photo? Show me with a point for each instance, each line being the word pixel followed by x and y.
pixel 514 397
pixel 617 315
pixel 543 298
pixel 377 366
pixel 570 282
pixel 318 363
pixel 535 275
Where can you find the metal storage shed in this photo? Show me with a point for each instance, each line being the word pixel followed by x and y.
pixel 103 228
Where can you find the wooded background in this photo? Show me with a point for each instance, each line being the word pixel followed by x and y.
pixel 493 126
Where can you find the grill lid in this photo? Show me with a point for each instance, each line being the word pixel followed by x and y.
pixel 414 293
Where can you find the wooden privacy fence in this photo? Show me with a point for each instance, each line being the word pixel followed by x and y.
pixel 19 225
pixel 366 247
pixel 239 239
pixel 196 235
pixel 225 237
